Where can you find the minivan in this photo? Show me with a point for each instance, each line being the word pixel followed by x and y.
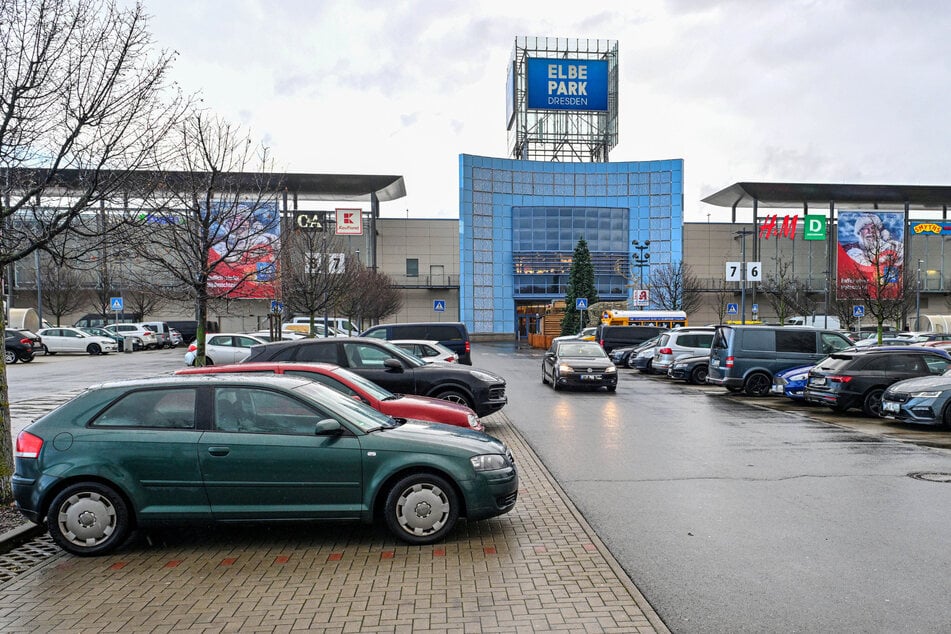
pixel 611 337
pixel 746 357
pixel 162 332
pixel 452 334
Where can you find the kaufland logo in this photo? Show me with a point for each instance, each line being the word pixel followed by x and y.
pixel 349 222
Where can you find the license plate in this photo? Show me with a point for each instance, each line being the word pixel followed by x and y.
pixel 590 377
pixel 821 380
pixel 890 406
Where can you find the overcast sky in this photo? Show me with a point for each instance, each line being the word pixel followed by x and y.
pixel 744 90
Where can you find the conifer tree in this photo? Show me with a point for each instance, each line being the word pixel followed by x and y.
pixel 580 284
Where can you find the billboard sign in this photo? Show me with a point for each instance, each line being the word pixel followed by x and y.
pixel 349 222
pixel 870 254
pixel 567 84
pixel 931 227
pixel 243 256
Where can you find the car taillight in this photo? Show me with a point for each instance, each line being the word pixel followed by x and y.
pixel 468 347
pixel 665 351
pixel 729 362
pixel 835 378
pixel 450 359
pixel 192 347
pixel 26 342
pixel 28 445
pixel 601 343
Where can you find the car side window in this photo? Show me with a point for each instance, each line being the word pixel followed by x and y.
pixel 261 411
pixel 379 333
pixel 936 365
pixel 360 355
pixel 317 352
pixel 162 409
pixel 833 343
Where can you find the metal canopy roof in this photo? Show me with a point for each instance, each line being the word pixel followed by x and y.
pixel 843 196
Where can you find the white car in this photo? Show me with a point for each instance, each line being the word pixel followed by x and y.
pixel 64 339
pixel 222 348
pixel 428 351
pixel 286 335
pixel 149 339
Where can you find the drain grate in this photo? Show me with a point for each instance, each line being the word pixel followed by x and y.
pixel 930 476
pixel 26 557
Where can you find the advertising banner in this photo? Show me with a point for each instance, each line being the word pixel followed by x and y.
pixel 931 227
pixel 870 254
pixel 244 253
pixel 567 84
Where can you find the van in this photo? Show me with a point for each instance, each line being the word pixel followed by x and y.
pixel 162 332
pixel 830 322
pixel 611 337
pixel 453 335
pixel 746 357
pixel 340 324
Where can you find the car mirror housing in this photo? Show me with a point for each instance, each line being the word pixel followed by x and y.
pixel 393 365
pixel 328 427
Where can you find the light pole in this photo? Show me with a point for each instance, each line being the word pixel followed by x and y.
pixel 918 297
pixel 742 233
pixel 641 260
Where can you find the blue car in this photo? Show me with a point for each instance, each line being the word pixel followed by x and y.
pixel 791 382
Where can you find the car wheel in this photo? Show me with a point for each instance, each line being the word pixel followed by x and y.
pixel 88 519
pixel 872 404
pixel 50 352
pixel 544 377
pixel 26 359
pixel 698 376
pixel 421 508
pixel 94 348
pixel 455 396
pixel 554 382
pixel 9 356
pixel 612 388
pixel 946 418
pixel 757 384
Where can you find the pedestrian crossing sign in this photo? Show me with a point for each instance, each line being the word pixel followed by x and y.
pixel 439 305
pixel 115 303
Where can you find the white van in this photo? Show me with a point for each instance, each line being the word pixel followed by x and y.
pixel 340 324
pixel 815 321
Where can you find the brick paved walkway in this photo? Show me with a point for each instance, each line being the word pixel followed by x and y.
pixel 539 568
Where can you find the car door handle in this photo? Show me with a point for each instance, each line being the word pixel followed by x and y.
pixel 219 451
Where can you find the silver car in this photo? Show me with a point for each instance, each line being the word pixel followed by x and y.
pixel 681 342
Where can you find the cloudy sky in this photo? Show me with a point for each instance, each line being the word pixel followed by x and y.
pixel 824 91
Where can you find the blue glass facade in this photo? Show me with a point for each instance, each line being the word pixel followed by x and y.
pixel 519 222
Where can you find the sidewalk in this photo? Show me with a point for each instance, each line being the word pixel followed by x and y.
pixel 538 568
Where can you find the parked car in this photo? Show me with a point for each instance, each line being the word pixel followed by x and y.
pixel 690 368
pixel 285 335
pixel 253 459
pixel 305 330
pixel 17 348
pixel 175 337
pixel 341 324
pixel 35 341
pixel 394 369
pixel 405 406
pixel 620 356
pixel 611 337
pixel 744 357
pixel 428 351
pixel 791 382
pixel 163 333
pixel 578 364
pixel 586 334
pixel 924 400
pixel 680 342
pixel 119 339
pixel 223 348
pixel 859 378
pixel 642 357
pixel 66 339
pixel 189 328
pixel 453 335
pixel 149 339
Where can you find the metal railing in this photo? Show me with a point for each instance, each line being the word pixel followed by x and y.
pixel 425 281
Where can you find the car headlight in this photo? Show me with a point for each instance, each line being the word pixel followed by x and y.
pixel 489 462
pixel 485 376
pixel 564 367
pixel 680 365
pixel 473 420
pixel 932 394
pixel 611 369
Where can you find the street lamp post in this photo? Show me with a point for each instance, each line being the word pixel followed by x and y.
pixel 918 297
pixel 641 260
pixel 742 233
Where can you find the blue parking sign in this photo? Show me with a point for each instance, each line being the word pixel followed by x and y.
pixel 732 309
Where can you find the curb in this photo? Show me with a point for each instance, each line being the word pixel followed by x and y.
pixel 19 535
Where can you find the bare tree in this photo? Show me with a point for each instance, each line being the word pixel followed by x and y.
pixel 371 296
pixel 140 299
pixel 786 294
pixel 316 272
pixel 212 230
pixel 721 298
pixel 84 101
pixel 62 291
pixel 673 287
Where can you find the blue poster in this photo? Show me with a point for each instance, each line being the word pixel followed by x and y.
pixel 567 84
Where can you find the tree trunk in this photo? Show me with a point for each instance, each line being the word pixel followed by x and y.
pixel 6 440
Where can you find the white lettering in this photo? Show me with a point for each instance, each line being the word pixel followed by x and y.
pixel 567 101
pixel 552 86
pixel 552 71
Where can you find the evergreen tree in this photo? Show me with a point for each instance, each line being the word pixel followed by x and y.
pixel 580 284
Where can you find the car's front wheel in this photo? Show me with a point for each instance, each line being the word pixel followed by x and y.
pixel 455 396
pixel 94 349
pixel 872 403
pixel 88 519
pixel 26 358
pixel 9 356
pixel 757 384
pixel 698 376
pixel 421 508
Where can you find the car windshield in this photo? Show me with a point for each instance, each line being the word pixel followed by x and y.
pixel 399 353
pixel 368 386
pixel 354 411
pixel 581 349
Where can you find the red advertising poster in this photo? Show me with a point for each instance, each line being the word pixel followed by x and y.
pixel 244 254
pixel 870 254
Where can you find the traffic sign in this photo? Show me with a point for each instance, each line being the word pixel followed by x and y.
pixel 581 303
pixel 858 310
pixel 439 305
pixel 755 308
pixel 276 306
pixel 732 309
pixel 115 303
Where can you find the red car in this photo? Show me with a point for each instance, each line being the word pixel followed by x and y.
pixel 396 405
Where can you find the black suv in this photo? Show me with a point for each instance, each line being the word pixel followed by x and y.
pixel 394 369
pixel 858 378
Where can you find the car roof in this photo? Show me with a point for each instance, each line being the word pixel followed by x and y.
pixel 198 379
pixel 260 366
pixel 870 350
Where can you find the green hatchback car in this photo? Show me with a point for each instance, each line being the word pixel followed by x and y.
pixel 248 448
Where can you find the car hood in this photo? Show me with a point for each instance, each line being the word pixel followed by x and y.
pixel 592 361
pixel 426 408
pixel 453 369
pixel 432 437
pixel 922 383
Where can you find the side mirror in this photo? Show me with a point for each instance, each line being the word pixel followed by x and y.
pixel 328 427
pixel 392 365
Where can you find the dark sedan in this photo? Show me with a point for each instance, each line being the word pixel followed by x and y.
pixel 859 378
pixel 692 369
pixel 578 364
pixel 394 369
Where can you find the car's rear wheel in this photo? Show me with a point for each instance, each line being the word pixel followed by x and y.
pixel 9 356
pixel 455 396
pixel 946 418
pixel 698 375
pixel 421 508
pixel 757 384
pixel 88 519
pixel 26 358
pixel 872 403
pixel 94 348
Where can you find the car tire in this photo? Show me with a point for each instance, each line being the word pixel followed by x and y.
pixel 757 384
pixel 9 357
pixel 946 418
pixel 544 377
pixel 455 396
pixel 88 519
pixel 872 402
pixel 421 508
pixel 94 349
pixel 554 382
pixel 612 388
pixel 49 352
pixel 26 359
pixel 698 376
